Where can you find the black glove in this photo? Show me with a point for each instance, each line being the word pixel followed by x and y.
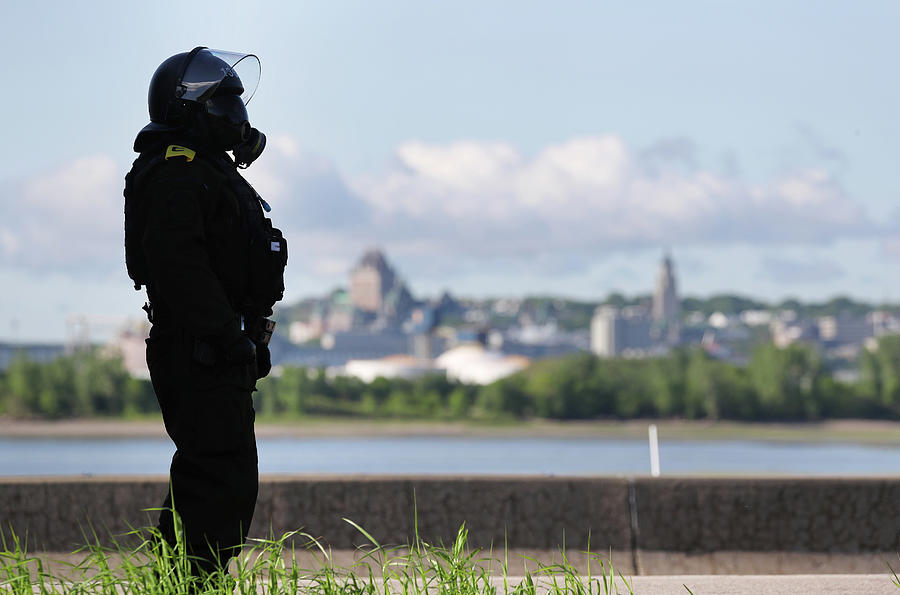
pixel 260 330
pixel 263 360
pixel 240 353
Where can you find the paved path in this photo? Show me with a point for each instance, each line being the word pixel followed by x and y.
pixel 758 584
pixel 699 584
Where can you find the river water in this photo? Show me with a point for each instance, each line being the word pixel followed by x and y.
pixel 452 455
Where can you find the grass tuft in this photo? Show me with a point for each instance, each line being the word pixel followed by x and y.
pixel 895 580
pixel 141 562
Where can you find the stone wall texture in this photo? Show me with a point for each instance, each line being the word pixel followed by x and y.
pixel 813 515
pixel 691 515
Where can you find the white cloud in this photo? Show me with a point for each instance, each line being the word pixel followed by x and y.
pixel 438 206
pixel 306 192
pixel 70 218
pixel 596 193
pixel 465 205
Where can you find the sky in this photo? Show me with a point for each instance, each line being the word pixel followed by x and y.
pixel 489 148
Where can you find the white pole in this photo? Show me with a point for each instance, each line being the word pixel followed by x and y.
pixel 654 451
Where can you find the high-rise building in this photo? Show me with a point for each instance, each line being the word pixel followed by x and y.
pixel 378 295
pixel 370 282
pixel 617 331
pixel 603 331
pixel 666 307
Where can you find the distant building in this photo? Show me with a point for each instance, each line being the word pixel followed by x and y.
pixel 302 331
pixel 666 307
pixel 447 307
pixel 786 330
pixel 130 343
pixel 883 323
pixel 604 331
pixel 366 345
pixel 35 352
pixel 370 281
pixel 397 306
pixel 393 366
pixel 756 317
pixel 472 363
pixel 617 332
pixel 721 320
pixel 377 292
pixel 844 328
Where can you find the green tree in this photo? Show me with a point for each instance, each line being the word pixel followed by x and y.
pixel 787 380
pixel 458 403
pixel 139 397
pixel 505 397
pixel 888 367
pixel 735 396
pixel 701 397
pixel 23 385
pixel 869 385
pixel 401 404
pixel 668 383
pixel 87 382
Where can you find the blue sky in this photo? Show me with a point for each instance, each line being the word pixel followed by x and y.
pixel 490 148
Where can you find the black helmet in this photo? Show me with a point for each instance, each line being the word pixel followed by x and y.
pixel 202 77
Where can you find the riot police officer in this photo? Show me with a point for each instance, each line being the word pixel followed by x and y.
pixel 197 237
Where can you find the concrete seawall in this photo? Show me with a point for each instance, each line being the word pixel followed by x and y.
pixel 646 519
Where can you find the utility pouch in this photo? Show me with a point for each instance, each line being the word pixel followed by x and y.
pixel 261 331
pixel 136 218
pixel 204 353
pixel 268 258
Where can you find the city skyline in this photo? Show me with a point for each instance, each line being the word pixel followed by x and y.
pixel 368 300
pixel 374 276
pixel 504 149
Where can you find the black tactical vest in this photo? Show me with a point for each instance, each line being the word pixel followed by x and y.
pixel 266 246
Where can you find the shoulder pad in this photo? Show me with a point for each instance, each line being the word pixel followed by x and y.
pixel 173 151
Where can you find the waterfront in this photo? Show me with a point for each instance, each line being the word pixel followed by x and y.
pixel 478 455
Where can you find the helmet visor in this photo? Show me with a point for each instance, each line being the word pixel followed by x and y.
pixel 210 68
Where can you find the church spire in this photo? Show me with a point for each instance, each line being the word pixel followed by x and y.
pixel 666 305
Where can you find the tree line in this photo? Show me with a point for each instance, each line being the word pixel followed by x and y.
pixel 82 384
pixel 777 384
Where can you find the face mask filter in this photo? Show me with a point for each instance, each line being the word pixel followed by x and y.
pixel 249 150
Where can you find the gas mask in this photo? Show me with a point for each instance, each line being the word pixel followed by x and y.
pixel 230 128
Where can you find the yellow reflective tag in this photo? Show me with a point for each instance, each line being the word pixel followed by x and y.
pixel 179 151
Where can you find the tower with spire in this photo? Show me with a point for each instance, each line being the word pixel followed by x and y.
pixel 666 306
pixel 377 293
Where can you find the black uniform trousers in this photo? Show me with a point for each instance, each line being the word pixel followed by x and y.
pixel 208 414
